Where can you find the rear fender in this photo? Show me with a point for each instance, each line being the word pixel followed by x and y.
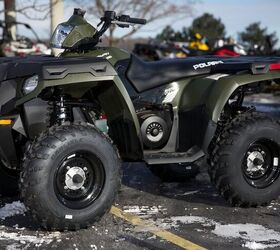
pixel 224 87
pixel 201 101
pixel 219 93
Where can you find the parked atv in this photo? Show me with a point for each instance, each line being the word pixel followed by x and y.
pixel 67 122
pixel 22 45
pixel 158 51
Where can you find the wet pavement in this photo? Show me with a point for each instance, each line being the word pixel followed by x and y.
pixel 191 211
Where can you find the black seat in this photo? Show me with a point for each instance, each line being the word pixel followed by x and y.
pixel 146 75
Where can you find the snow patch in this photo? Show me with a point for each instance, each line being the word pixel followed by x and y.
pixel 252 232
pixel 188 193
pixel 254 236
pixel 11 209
pixel 254 245
pixel 144 211
pixel 14 246
pixel 23 239
pixel 175 221
pixel 263 98
pixel 153 237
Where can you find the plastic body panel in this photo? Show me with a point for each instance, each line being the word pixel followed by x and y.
pixel 196 101
pixel 78 75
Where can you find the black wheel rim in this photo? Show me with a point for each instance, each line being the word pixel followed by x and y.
pixel 260 164
pixel 79 180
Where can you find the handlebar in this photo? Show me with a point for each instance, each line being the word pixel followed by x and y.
pixel 137 20
pixel 129 20
pixel 122 21
pixel 111 17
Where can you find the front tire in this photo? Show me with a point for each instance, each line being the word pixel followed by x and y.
pixel 70 177
pixel 244 165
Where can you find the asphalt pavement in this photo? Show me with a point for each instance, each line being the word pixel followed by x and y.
pixel 191 212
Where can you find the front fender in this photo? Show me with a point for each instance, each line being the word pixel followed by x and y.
pixel 123 124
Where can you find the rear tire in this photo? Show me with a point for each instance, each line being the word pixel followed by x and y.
pixel 70 177
pixel 244 164
pixel 174 172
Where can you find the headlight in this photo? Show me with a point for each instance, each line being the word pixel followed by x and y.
pixel 30 84
pixel 59 35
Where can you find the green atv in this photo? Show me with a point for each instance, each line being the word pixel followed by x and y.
pixel 67 123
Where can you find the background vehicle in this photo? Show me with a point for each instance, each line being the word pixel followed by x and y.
pixel 167 112
pixel 22 45
pixel 198 43
pixel 157 51
pixel 230 50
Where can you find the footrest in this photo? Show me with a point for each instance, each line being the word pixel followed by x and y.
pixel 177 157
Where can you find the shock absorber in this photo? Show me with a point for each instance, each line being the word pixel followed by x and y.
pixel 59 111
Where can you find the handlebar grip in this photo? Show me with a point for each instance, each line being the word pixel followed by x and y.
pixel 137 20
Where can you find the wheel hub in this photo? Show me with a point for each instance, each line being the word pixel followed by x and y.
pixel 260 163
pixel 255 161
pixel 75 178
pixel 79 179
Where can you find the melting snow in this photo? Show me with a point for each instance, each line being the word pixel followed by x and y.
pixel 192 219
pixel 16 208
pixel 254 236
pixel 13 247
pixel 175 221
pixel 255 246
pixel 188 193
pixel 23 239
pixel 12 209
pixel 252 232
pixel 144 211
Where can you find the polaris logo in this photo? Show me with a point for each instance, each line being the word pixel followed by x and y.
pixel 207 64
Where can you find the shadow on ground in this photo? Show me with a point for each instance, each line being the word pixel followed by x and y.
pixel 138 176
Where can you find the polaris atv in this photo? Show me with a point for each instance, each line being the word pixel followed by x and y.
pixel 68 122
